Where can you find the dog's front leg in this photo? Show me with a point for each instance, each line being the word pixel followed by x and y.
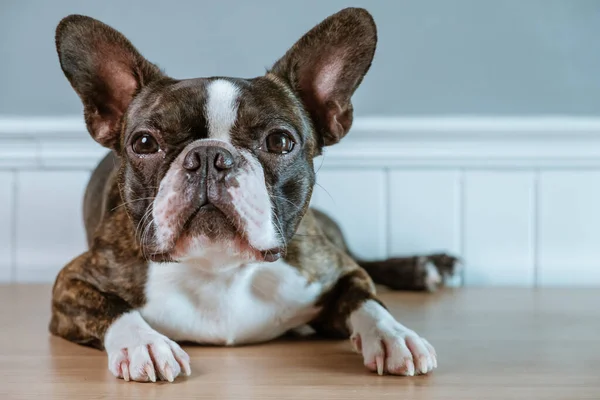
pixel 351 309
pixel 85 312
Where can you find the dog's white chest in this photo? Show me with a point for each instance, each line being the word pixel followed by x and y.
pixel 254 303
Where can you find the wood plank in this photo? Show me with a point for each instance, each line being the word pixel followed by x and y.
pixel 6 226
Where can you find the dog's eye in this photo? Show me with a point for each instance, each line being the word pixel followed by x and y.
pixel 145 144
pixel 279 142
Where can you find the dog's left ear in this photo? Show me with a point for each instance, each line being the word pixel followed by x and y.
pixel 326 66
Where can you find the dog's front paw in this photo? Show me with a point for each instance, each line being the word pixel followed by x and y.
pixel 388 346
pixel 395 350
pixel 156 358
pixel 139 353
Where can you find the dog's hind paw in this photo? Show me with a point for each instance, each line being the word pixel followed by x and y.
pixel 448 267
pixel 416 273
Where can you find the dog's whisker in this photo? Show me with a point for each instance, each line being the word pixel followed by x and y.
pixel 325 190
pixel 321 165
pixel 145 234
pixel 298 208
pixel 133 201
pixel 279 228
pixel 146 213
pixel 140 223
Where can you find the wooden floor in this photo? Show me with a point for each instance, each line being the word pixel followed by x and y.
pixel 492 344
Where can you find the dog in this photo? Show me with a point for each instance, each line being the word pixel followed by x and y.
pixel 198 221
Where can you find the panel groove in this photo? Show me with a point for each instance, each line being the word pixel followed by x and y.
pixel 388 213
pixel 536 228
pixel 13 226
pixel 461 225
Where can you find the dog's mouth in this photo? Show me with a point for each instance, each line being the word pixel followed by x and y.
pixel 209 224
pixel 271 255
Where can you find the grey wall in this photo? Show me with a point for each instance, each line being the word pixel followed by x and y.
pixel 435 56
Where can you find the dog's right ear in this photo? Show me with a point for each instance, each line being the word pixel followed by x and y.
pixel 105 70
pixel 326 66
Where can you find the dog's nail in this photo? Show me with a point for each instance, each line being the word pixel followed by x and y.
pixel 150 373
pixel 187 369
pixel 125 371
pixel 424 364
pixel 356 343
pixel 410 368
pixel 169 373
pixel 379 362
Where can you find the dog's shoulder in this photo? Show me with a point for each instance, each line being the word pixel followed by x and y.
pixel 314 253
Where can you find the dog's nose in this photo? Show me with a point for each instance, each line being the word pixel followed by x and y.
pixel 215 158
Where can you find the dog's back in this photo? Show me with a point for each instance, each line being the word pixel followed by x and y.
pixel 96 201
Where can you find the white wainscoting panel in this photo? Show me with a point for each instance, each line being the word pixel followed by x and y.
pixel 518 199
pixel 7 184
pixel 49 222
pixel 569 228
pixel 499 225
pixel 424 207
pixel 355 198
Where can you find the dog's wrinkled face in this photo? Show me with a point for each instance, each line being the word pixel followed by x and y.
pixel 217 165
pixel 218 160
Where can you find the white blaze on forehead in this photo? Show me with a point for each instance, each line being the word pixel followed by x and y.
pixel 221 108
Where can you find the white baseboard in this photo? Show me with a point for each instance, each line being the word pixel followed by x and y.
pixel 504 142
